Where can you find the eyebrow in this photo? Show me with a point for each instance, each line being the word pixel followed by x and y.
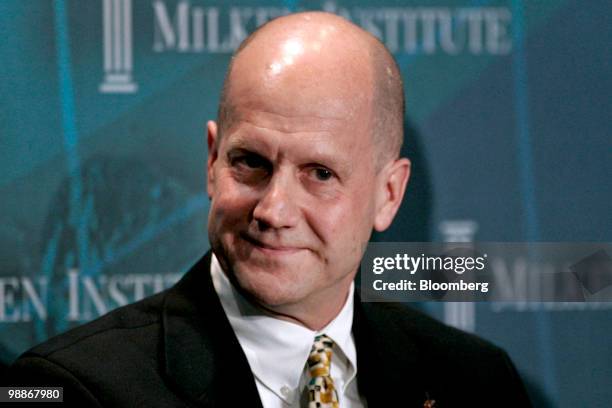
pixel 315 156
pixel 305 122
pixel 241 142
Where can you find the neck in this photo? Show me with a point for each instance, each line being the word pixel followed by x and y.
pixel 314 315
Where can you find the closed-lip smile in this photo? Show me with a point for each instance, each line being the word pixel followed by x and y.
pixel 270 248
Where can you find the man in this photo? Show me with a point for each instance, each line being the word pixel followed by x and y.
pixel 302 165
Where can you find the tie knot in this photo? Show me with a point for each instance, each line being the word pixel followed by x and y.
pixel 319 360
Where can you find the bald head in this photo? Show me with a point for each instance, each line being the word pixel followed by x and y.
pixel 319 58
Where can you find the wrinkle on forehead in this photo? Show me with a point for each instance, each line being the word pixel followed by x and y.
pixel 288 123
pixel 293 99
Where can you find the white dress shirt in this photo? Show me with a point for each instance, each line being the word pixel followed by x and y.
pixel 277 350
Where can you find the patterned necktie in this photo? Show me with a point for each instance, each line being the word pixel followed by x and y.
pixel 321 390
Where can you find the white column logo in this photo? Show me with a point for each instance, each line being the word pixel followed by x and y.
pixel 459 314
pixel 117 23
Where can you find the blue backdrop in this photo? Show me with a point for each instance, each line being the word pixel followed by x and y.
pixel 103 154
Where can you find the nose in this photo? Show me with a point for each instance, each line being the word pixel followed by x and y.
pixel 277 207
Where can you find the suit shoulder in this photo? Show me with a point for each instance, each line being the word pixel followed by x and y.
pixel 117 326
pixel 428 332
pixel 450 361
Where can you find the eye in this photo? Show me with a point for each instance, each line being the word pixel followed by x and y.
pixel 248 167
pixel 252 161
pixel 248 161
pixel 322 174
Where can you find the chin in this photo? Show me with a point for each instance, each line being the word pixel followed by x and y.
pixel 269 289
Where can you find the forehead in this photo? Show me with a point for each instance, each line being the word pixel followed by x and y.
pixel 299 100
pixel 295 75
pixel 285 121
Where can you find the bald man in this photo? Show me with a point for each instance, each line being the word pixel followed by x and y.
pixel 303 164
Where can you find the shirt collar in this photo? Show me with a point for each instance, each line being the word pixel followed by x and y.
pixel 266 340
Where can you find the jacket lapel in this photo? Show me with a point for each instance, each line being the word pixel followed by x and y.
pixel 202 356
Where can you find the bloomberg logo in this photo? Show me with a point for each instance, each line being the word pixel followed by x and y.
pixel 181 27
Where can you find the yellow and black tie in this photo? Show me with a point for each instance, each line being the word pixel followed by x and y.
pixel 321 390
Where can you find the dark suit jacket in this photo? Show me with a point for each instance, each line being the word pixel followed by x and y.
pixel 177 348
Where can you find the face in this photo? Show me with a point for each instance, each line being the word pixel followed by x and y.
pixel 291 203
pixel 294 189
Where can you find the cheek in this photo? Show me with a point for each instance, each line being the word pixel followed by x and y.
pixel 231 204
pixel 343 226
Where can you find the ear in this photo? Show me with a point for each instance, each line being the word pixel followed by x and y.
pixel 392 186
pixel 213 150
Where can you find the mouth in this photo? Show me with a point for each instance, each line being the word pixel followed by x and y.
pixel 269 248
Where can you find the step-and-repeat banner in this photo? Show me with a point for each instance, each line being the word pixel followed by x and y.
pixel 102 159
